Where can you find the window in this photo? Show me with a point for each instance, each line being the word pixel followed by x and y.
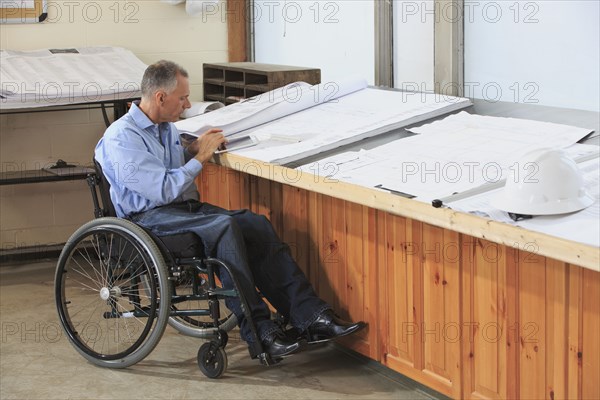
pixel 540 52
pixel 413 45
pixel 335 36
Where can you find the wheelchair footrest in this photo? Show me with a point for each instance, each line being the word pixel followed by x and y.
pixel 222 293
pixel 256 351
pixel 266 359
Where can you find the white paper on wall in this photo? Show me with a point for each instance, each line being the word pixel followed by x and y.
pixel 173 2
pixel 194 7
pixel 197 7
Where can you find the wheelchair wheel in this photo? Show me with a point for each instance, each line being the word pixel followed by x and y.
pixel 112 292
pixel 212 360
pixel 197 326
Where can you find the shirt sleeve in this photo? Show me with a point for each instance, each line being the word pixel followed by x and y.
pixel 139 171
pixel 187 155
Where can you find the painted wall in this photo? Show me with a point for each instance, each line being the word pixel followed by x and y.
pixel 34 215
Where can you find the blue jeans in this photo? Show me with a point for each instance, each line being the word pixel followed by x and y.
pixel 257 257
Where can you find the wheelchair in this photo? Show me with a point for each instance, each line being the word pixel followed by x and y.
pixel 118 285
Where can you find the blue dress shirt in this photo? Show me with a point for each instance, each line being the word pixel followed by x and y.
pixel 144 164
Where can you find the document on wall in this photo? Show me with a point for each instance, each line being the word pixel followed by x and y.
pixel 66 76
pixel 269 106
pixel 13 3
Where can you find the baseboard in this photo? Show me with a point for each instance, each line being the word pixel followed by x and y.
pixel 30 253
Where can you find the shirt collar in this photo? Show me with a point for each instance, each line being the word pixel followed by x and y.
pixel 143 122
pixel 140 119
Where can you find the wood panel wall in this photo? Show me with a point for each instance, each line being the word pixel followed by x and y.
pixel 462 315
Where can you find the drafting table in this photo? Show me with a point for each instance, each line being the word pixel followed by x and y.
pixel 470 307
pixel 57 80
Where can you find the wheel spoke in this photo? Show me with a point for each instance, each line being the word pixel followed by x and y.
pixel 108 292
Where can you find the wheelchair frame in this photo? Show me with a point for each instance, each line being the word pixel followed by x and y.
pixel 116 289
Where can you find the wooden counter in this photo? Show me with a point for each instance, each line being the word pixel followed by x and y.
pixel 470 307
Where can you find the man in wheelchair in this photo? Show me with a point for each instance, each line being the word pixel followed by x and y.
pixel 152 184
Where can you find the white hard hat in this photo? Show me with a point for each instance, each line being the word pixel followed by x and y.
pixel 544 182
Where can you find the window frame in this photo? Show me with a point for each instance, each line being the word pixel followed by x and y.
pixel 448 42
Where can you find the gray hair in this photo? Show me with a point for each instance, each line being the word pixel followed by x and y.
pixel 162 75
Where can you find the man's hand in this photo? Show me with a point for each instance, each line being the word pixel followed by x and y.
pixel 205 146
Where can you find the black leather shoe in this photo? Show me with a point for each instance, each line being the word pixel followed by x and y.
pixel 279 345
pixel 328 327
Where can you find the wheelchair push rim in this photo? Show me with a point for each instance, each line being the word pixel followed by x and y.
pixel 112 292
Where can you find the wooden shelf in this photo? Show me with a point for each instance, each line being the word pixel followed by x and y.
pixel 214 81
pixel 258 87
pixel 231 82
pixel 236 84
pixel 214 97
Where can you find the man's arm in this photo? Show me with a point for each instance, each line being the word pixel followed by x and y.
pixel 137 174
pixel 133 168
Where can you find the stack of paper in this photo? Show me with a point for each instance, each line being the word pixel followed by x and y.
pixel 348 119
pixel 269 106
pixel 68 76
pixel 458 153
pixel 301 120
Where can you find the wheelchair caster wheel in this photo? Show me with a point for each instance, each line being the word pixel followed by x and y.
pixel 212 360
pixel 222 338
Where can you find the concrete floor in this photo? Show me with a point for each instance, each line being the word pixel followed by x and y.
pixel 38 362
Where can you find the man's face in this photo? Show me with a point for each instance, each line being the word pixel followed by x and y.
pixel 174 103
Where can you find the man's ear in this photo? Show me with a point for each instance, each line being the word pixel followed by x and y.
pixel 159 97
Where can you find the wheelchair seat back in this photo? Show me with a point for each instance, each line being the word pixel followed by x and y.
pixel 108 209
pixel 181 245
